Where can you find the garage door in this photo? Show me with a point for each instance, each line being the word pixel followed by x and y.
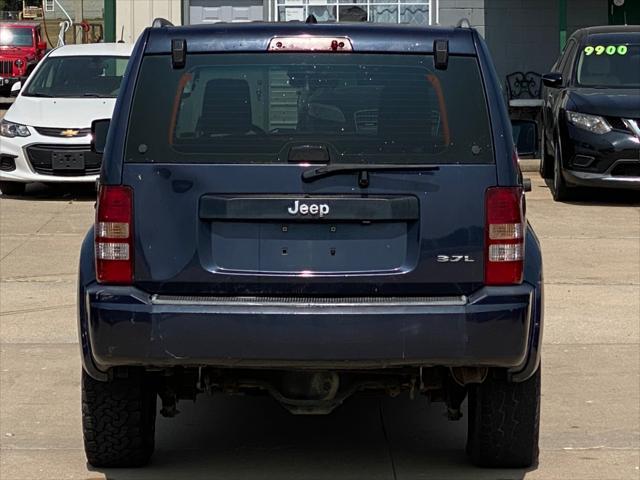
pixel 211 11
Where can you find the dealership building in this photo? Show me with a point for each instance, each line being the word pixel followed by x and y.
pixel 523 35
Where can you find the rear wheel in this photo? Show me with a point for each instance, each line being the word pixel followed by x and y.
pixel 504 421
pixel 118 420
pixel 12 188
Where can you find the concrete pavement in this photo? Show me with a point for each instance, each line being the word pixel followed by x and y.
pixel 591 357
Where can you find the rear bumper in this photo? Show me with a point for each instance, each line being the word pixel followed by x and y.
pixel 125 326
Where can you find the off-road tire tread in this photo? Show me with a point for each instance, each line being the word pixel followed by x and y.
pixel 118 420
pixel 504 423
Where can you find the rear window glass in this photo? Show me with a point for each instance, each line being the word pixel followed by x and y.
pixel 358 108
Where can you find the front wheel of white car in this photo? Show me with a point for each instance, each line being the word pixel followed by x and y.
pixel 12 188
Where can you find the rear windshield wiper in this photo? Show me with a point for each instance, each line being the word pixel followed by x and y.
pixel 328 170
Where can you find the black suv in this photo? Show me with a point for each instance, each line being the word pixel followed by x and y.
pixel 591 115
pixel 309 211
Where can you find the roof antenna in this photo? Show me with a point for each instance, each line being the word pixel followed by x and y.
pixel 121 35
pixel 311 19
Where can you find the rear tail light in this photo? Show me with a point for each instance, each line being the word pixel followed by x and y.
pixel 114 235
pixel 504 235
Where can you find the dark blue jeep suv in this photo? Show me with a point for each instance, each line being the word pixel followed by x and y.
pixel 309 211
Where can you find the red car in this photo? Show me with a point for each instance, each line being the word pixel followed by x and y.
pixel 21 48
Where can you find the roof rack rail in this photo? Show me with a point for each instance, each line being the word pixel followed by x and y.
pixel 161 22
pixel 463 23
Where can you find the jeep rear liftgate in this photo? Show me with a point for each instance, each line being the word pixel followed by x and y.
pixel 309 174
pixel 254 242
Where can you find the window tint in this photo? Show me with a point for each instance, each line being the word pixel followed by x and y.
pixel 247 108
pixel 16 37
pixel 82 76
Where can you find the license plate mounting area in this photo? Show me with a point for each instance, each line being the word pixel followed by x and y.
pixel 67 160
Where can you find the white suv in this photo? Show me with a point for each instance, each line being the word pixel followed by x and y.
pixel 45 136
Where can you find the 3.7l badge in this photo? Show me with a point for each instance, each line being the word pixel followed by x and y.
pixel 455 259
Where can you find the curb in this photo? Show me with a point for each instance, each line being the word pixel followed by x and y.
pixel 529 164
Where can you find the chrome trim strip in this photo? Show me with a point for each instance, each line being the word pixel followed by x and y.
pixel 309 301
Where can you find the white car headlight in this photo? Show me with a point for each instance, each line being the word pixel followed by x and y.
pixel 590 123
pixel 10 129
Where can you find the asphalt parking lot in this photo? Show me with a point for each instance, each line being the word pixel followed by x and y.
pixel 591 368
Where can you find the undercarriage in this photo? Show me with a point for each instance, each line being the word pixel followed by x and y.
pixel 317 392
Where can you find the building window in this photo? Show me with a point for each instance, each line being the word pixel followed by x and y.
pixel 379 11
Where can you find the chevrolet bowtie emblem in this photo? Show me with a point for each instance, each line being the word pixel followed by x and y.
pixel 69 133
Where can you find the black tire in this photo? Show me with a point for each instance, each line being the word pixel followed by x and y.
pixel 504 422
pixel 559 189
pixel 118 420
pixel 545 159
pixel 12 188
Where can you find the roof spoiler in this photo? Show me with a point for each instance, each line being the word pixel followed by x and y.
pixel 161 22
pixel 463 23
